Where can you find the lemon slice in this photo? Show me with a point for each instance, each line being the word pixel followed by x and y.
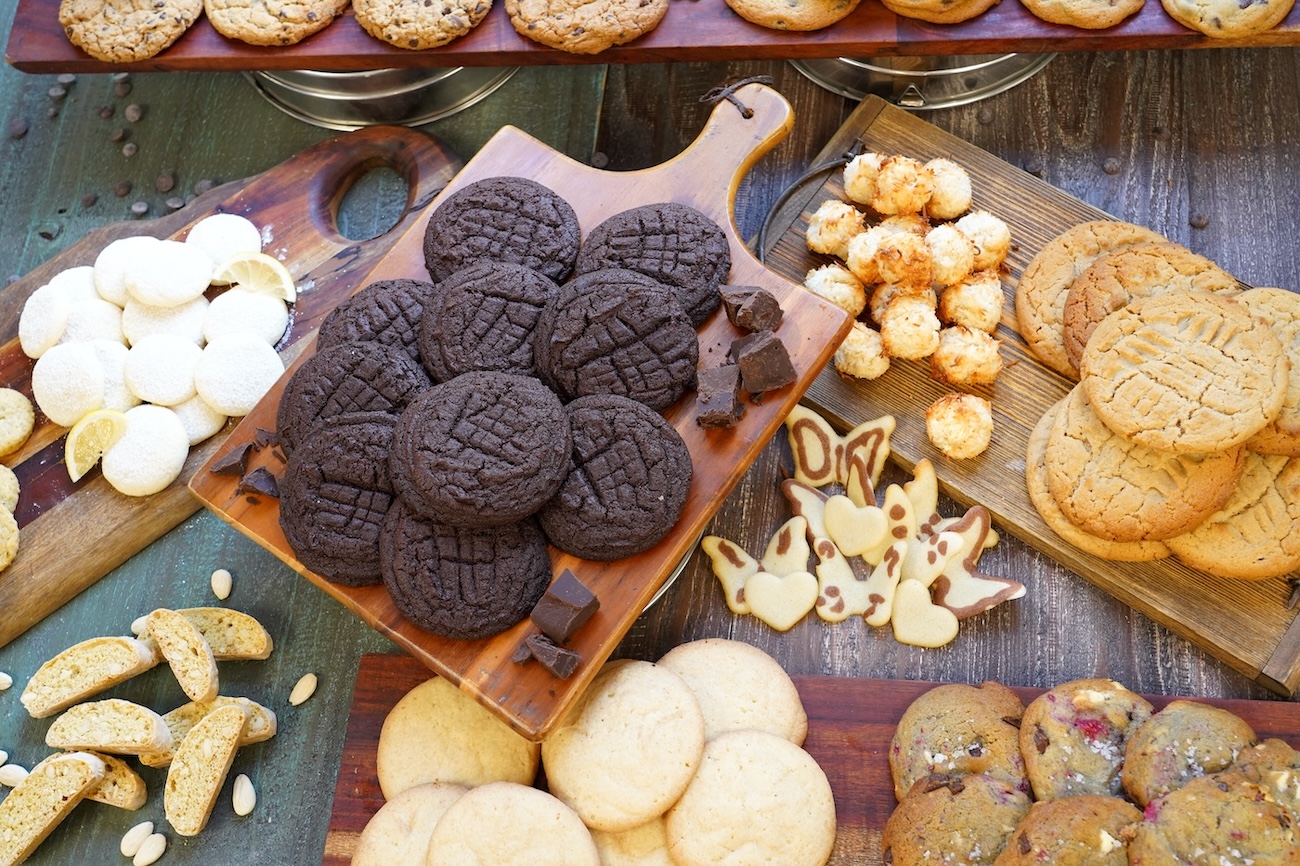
pixel 90 437
pixel 257 272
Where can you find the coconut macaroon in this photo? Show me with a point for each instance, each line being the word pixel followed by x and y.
pixel 862 354
pixel 909 328
pixel 861 254
pixel 950 194
pixel 975 302
pixel 883 294
pixel 991 235
pixel 860 177
pixel 960 425
pixel 837 284
pixel 904 258
pixel 952 254
pixel 832 226
pixel 966 357
pixel 912 223
pixel 903 185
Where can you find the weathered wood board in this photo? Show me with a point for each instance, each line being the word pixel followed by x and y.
pixel 706 176
pixel 850 724
pixel 73 534
pixel 1243 623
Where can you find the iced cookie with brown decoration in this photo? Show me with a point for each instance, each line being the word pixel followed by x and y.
pixel 416 25
pixel 1088 14
pixel 1087 830
pixel 954 819
pixel 126 31
pixel 1043 287
pixel 1280 309
pixel 585 28
pixel 959 730
pixel 779 15
pixel 271 22
pixel 1187 372
pixel 1223 20
pixel 1184 740
pixel 1073 737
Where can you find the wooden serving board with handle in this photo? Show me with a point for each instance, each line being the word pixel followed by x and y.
pixel 850 724
pixel 705 176
pixel 1243 623
pixel 73 534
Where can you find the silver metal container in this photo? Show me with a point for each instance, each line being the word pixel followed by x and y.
pixel 404 97
pixel 920 83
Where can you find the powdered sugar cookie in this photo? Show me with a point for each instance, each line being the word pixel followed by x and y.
pixel 168 274
pixel 199 419
pixel 112 360
pixel 160 369
pixel 17 418
pixel 241 311
pixel 149 455
pixel 41 323
pixel 183 320
pixel 112 262
pixel 93 319
pixel 68 382
pixel 225 235
pixel 235 371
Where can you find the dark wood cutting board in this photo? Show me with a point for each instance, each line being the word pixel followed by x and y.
pixel 1243 623
pixel 850 724
pixel 706 176
pixel 73 534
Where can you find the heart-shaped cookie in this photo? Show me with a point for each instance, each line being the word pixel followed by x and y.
pixel 732 566
pixel 854 529
pixel 917 620
pixel 781 601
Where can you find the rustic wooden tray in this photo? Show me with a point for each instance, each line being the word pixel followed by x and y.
pixel 692 30
pixel 298 200
pixel 706 176
pixel 850 724
pixel 1246 624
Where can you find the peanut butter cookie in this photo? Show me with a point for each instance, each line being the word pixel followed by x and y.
pixel 126 31
pixel 581 27
pixel 271 22
pixel 1280 309
pixel 416 24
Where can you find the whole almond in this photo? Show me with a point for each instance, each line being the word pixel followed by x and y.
pixel 150 850
pixel 137 624
pixel 303 689
pixel 5 681
pixel 221 583
pixel 134 838
pixel 244 796
pixel 12 775
pixel 4 757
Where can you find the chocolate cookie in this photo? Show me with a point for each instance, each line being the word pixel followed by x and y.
pixel 462 583
pixel 631 473
pixel 387 311
pixel 502 219
pixel 674 243
pixel 616 331
pixel 484 449
pixel 335 495
pixel 485 320
pixel 353 377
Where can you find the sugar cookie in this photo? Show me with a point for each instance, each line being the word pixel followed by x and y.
pixel 646 845
pixel 504 822
pixel 168 274
pixel 241 311
pixel 150 454
pixel 160 369
pixel 183 320
pixel 235 371
pixel 68 382
pixel 399 832
pixel 225 235
pixel 17 418
pixel 112 262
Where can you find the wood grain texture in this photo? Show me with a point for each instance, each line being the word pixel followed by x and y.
pixel 850 724
pixel 296 203
pixel 526 696
pixel 1244 623
pixel 690 31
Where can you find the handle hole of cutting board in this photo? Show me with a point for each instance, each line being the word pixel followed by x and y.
pixel 374 203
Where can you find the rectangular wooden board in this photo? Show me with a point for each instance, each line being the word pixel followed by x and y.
pixel 1245 624
pixel 690 31
pixel 526 695
pixel 850 724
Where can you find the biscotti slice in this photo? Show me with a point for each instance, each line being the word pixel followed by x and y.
pixel 186 651
pixel 36 806
pixel 121 786
pixel 232 634
pixel 85 669
pixel 199 769
pixel 261 725
pixel 113 725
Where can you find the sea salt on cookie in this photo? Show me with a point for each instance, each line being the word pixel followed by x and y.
pixel 505 822
pixel 17 418
pixel 168 274
pixel 41 323
pixel 417 25
pixel 150 454
pixel 235 371
pixel 160 369
pixel 112 262
pixel 225 235
pixel 68 382
pixel 183 320
pixel 199 419
pixel 241 311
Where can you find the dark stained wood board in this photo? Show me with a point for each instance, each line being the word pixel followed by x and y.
pixel 73 534
pixel 1243 623
pixel 706 176
pixel 692 30
pixel 850 724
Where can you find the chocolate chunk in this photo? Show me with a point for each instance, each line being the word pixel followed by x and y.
pixel 564 607
pixel 751 308
pixel 559 661
pixel 718 397
pixel 521 654
pixel 259 482
pixel 263 437
pixel 234 462
pixel 764 363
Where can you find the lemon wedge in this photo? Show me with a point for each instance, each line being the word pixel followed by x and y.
pixel 89 438
pixel 257 272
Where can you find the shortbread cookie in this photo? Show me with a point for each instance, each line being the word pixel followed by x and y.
pixel 31 811
pixel 186 652
pixel 758 793
pixel 1041 496
pixel 85 669
pixel 1227 20
pixel 1122 491
pixel 1184 740
pixel 1118 278
pixel 1088 14
pixel 1281 310
pixel 1186 372
pixel 628 747
pixel 399 832
pixel 1042 290
pixel 149 455
pixel 199 768
pixel 1256 534
pixel 646 845
pixel 505 822
pixel 585 28
pixel 9 489
pixel 778 15
pixel 954 819
pixel 1085 830
pixel 126 31
pixel 959 730
pixel 277 22
pixel 1073 737
pixel 8 538
pixel 940 12
pixel 416 25
pixel 739 686
pixel 435 733
pixel 261 725
pixel 113 725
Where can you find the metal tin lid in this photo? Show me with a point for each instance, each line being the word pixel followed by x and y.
pixel 922 83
